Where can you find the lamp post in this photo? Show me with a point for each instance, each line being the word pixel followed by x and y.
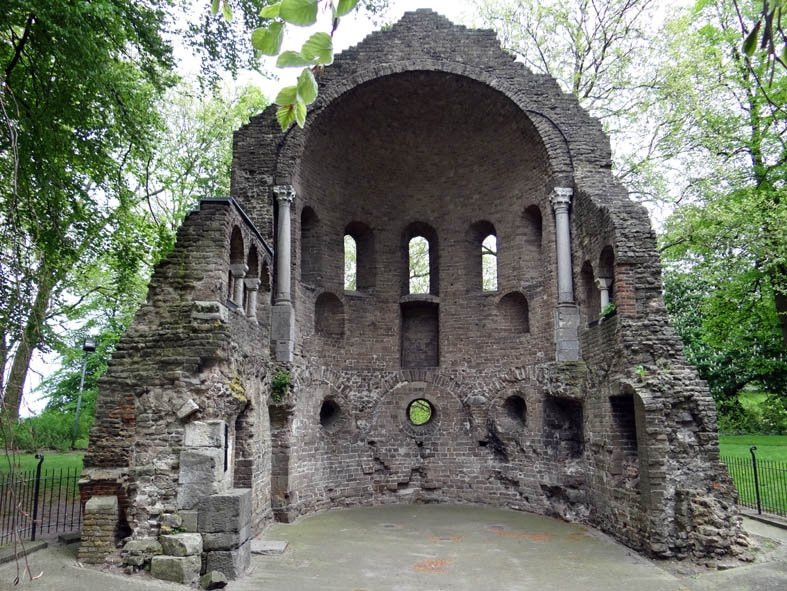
pixel 88 346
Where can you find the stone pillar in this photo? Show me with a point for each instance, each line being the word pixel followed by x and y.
pixel 561 200
pixel 282 317
pixel 284 197
pixel 238 272
pixel 99 530
pixel 566 313
pixel 253 286
pixel 603 287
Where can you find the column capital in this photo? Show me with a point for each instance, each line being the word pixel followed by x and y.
pixel 603 282
pixel 284 193
pixel 238 269
pixel 561 198
pixel 252 283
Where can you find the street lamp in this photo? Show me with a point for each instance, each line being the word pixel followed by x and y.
pixel 88 346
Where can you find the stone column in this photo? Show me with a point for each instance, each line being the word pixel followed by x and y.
pixel 603 287
pixel 561 200
pixel 253 286
pixel 284 197
pixel 282 316
pixel 238 271
pixel 566 312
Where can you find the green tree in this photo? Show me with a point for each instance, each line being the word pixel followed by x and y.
pixel 73 106
pixel 192 160
pixel 606 53
pixel 725 247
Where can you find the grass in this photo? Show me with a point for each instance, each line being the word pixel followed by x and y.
pixel 769 447
pixel 771 455
pixel 56 460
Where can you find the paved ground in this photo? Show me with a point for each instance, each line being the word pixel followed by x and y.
pixel 440 548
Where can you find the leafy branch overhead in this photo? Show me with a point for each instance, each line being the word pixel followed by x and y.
pixel 315 53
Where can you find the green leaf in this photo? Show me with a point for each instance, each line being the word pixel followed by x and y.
pixel 318 48
pixel 214 7
pixel 299 12
pixel 287 96
pixel 307 86
pixel 300 112
pixel 290 59
pixel 226 10
pixel 285 116
pixel 751 40
pixel 270 11
pixel 268 40
pixel 345 6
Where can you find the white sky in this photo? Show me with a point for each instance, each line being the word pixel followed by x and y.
pixel 352 30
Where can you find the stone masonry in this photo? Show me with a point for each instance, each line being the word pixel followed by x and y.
pixel 541 395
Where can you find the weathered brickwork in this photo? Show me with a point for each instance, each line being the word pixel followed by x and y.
pixel 428 130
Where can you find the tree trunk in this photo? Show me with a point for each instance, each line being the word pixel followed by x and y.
pixel 31 338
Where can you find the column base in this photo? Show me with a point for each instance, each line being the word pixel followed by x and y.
pixel 567 332
pixel 283 331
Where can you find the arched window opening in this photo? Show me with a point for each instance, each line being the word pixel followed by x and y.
pixel 606 280
pixel 590 293
pixel 238 268
pixel 481 257
pixel 489 263
pixel 251 284
pixel 350 263
pixel 359 257
pixel 418 264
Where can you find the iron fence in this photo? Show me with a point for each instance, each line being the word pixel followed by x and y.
pixel 761 484
pixel 39 502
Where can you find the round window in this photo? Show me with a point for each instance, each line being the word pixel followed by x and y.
pixel 420 411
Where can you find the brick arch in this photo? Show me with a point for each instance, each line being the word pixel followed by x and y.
pixel 553 139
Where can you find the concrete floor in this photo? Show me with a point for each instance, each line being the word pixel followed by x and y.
pixel 438 548
pixel 445 547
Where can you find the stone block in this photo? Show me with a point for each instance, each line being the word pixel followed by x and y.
pixel 143 547
pixel 233 563
pixel 213 580
pixel 178 569
pixel 268 547
pixel 201 475
pixel 205 434
pixel 181 544
pixel 188 521
pixel 225 540
pixel 229 511
pixel 187 409
pixel 102 505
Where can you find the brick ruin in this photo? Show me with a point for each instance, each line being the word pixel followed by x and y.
pixel 540 396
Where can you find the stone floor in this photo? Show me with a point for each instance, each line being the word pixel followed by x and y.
pixel 439 548
pixel 444 547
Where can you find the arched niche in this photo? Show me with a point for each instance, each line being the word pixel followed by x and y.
pixel 311 249
pixel 532 251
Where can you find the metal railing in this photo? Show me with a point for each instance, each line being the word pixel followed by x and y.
pixel 39 502
pixel 761 484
